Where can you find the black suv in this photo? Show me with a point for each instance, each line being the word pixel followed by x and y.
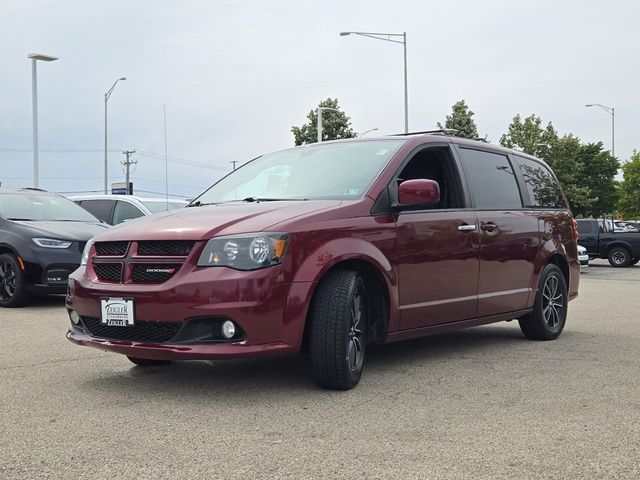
pixel 42 236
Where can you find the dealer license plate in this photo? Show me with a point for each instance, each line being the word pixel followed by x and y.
pixel 117 312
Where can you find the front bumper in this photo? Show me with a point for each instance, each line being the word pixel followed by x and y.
pixel 584 260
pixel 168 351
pixel 270 313
pixel 48 269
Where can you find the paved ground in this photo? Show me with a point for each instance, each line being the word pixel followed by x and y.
pixel 482 403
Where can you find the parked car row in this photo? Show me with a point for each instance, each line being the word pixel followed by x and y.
pixel 115 209
pixel 42 236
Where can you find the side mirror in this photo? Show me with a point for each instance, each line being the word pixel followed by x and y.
pixel 419 191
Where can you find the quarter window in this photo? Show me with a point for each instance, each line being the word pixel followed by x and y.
pixel 99 208
pixel 543 190
pixel 491 180
pixel 125 211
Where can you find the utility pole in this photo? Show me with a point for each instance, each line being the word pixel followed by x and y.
pixel 127 164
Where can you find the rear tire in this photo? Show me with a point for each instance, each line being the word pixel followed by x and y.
pixel 147 362
pixel 549 314
pixel 337 331
pixel 12 286
pixel 634 261
pixel 619 257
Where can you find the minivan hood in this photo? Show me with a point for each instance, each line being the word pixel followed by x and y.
pixel 75 231
pixel 202 223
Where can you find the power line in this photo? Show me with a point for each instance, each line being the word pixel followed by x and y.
pixel 143 153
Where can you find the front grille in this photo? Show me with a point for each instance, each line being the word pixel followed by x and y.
pixel 150 332
pixel 160 248
pixel 111 249
pixel 154 272
pixel 109 272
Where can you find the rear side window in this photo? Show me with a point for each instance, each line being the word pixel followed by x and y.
pixel 491 180
pixel 543 190
pixel 125 211
pixel 587 227
pixel 100 209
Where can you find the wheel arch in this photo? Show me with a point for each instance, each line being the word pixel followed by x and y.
pixel 4 248
pixel 559 261
pixel 371 264
pixel 618 243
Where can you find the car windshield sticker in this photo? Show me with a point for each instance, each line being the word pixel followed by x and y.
pixel 351 191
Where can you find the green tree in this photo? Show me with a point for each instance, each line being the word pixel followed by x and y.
pixel 586 172
pixel 335 125
pixel 599 169
pixel 562 155
pixel 528 136
pixel 461 120
pixel 629 200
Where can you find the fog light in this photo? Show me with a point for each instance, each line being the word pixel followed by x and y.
pixel 228 329
pixel 75 318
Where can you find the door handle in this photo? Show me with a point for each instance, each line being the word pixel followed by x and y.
pixel 466 227
pixel 489 227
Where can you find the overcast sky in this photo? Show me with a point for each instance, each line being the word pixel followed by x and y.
pixel 235 76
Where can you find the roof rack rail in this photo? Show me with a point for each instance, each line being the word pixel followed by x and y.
pixel 33 188
pixel 440 131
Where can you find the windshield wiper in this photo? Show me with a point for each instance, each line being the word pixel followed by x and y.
pixel 261 199
pixel 199 204
pixel 20 219
pixel 249 200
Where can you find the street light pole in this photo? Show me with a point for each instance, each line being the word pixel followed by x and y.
pixel 320 110
pixel 34 100
pixel 387 38
pixel 367 131
pixel 611 111
pixel 106 99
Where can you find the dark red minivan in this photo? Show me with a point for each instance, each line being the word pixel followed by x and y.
pixel 334 246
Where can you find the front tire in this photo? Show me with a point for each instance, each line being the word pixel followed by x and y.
pixel 337 332
pixel 549 314
pixel 12 286
pixel 619 257
pixel 147 362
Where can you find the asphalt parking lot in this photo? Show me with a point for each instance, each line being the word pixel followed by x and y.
pixel 480 403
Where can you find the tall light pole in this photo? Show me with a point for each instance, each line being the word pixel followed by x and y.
pixel 320 110
pixel 611 111
pixel 387 37
pixel 34 99
pixel 106 99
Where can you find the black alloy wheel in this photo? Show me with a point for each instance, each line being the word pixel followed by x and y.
pixel 12 288
pixel 549 314
pixel 337 330
pixel 619 257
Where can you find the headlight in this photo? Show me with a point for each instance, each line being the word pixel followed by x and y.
pixel 85 252
pixel 249 251
pixel 51 243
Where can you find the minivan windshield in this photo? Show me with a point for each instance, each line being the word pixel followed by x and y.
pixel 38 207
pixel 342 170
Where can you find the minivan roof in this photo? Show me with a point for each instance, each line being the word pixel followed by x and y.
pixel 418 138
